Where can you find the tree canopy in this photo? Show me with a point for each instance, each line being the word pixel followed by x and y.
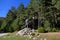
pixel 45 12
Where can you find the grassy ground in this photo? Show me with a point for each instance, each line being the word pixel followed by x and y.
pixel 12 36
pixel 47 36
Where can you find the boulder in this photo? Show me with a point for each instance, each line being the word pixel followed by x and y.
pixel 24 31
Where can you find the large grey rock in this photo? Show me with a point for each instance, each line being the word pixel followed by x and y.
pixel 24 31
pixel 3 34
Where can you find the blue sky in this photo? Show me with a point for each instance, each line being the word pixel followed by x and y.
pixel 5 5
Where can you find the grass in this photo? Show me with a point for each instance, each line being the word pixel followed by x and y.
pixel 48 36
pixel 13 37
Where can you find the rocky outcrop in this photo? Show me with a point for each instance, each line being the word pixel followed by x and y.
pixel 24 31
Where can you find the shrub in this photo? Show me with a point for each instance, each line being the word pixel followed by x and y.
pixel 54 30
pixel 41 30
pixel 47 26
pixel 48 29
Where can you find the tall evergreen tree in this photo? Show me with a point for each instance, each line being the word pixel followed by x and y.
pixel 20 15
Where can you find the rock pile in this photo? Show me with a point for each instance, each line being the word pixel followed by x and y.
pixel 27 32
pixel 24 31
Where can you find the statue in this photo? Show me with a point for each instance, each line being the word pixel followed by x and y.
pixel 33 21
pixel 26 22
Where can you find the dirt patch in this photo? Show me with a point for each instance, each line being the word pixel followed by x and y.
pixel 53 34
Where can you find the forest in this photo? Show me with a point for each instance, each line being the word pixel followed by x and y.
pixel 46 15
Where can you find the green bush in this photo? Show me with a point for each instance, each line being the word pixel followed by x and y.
pixel 48 29
pixel 41 30
pixel 54 30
